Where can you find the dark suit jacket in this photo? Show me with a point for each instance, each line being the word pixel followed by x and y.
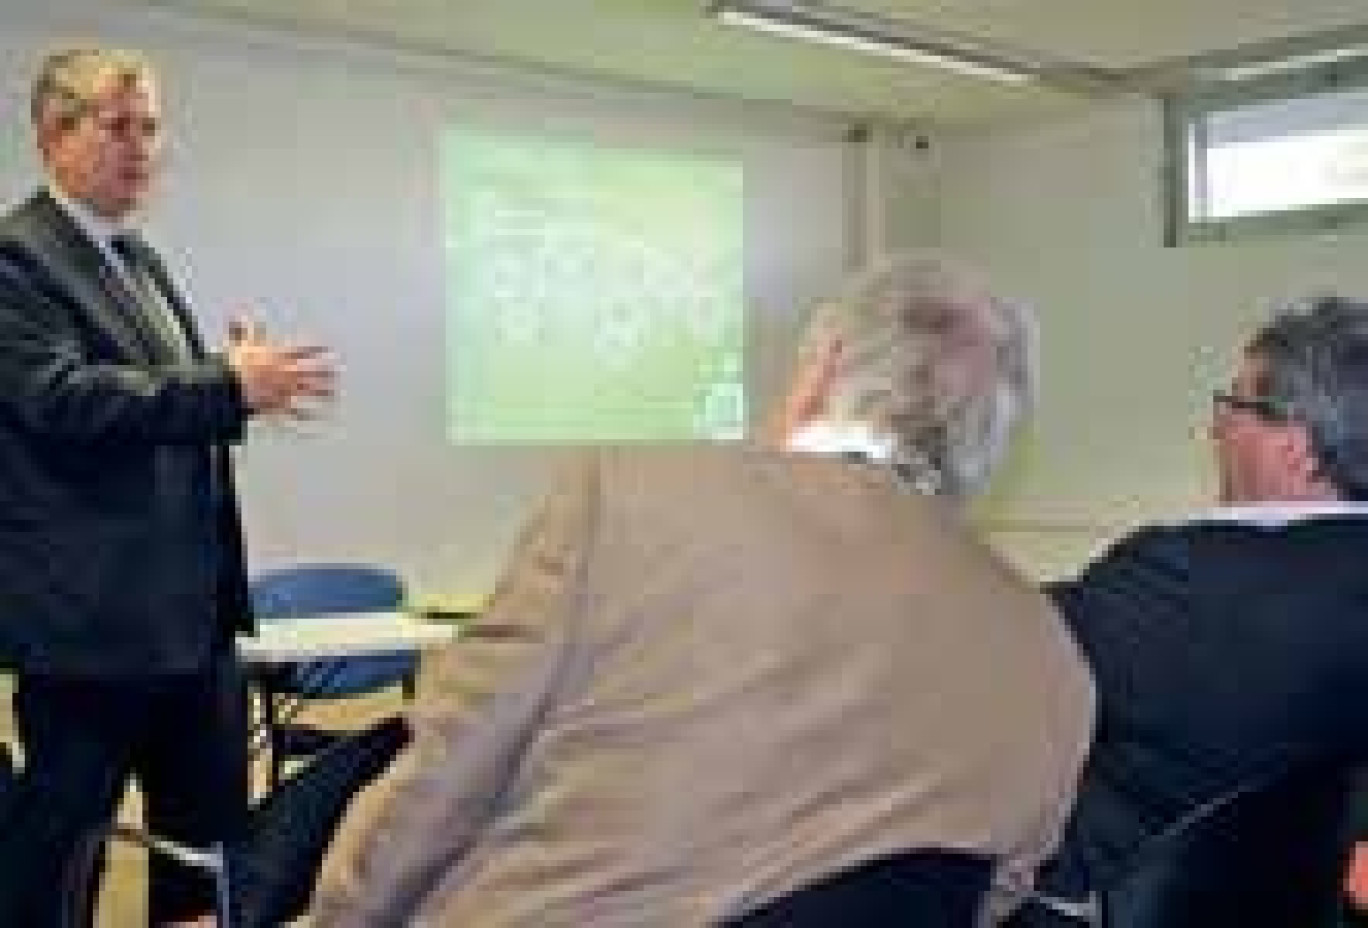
pixel 1219 650
pixel 120 549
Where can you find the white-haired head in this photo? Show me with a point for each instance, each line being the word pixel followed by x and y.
pixel 930 357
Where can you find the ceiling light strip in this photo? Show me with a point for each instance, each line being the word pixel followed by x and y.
pixel 808 25
pixel 1312 59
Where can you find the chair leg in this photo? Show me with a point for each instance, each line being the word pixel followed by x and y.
pixel 78 882
pixel 79 879
pixel 227 917
pixel 273 738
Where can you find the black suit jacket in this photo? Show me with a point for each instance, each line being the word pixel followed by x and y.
pixel 1220 650
pixel 120 547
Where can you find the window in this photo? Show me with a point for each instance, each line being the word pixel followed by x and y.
pixel 1278 152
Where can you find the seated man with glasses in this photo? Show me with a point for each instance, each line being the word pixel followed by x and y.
pixel 1236 643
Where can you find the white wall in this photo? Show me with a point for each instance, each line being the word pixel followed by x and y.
pixel 303 185
pixel 1135 335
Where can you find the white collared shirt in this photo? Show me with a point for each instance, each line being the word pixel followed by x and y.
pixel 96 227
pixel 1278 514
pixel 863 441
pixel 824 436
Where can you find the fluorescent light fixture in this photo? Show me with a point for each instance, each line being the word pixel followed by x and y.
pixel 861 32
pixel 1301 62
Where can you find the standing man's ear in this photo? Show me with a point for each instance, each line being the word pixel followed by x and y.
pixel 51 125
pixel 45 130
pixel 808 393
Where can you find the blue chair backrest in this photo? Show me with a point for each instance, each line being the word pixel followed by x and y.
pixel 305 591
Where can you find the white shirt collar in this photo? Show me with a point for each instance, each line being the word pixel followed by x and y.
pixel 860 440
pixel 823 436
pixel 96 227
pixel 1275 515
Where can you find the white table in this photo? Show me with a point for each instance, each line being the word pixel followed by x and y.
pixel 353 634
pixel 284 642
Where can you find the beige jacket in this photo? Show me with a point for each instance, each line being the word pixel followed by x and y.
pixel 709 677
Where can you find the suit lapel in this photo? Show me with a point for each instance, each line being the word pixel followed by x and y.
pixel 98 288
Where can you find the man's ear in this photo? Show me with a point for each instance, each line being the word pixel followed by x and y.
pixel 808 392
pixel 48 128
pixel 1298 454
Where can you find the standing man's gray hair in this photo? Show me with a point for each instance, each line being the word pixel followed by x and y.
pixel 931 356
pixel 68 79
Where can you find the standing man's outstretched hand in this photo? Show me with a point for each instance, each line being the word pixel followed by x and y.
pixel 278 377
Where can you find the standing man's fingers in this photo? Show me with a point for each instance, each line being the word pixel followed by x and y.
pixel 243 328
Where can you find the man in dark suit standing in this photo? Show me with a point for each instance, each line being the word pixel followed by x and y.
pixel 122 579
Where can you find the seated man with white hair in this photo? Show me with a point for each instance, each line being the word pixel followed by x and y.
pixel 724 673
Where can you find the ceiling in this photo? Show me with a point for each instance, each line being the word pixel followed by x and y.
pixel 672 43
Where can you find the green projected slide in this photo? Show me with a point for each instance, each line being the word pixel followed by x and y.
pixel 594 293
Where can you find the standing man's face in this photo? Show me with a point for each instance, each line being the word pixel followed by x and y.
pixel 109 156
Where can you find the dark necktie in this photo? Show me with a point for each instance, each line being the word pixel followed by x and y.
pixel 138 259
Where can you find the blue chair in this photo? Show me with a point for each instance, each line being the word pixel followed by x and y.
pixel 306 591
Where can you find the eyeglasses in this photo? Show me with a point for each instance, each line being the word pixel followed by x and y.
pixel 1261 406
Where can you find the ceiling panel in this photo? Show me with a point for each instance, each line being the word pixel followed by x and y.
pixel 1126 33
pixel 672 43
